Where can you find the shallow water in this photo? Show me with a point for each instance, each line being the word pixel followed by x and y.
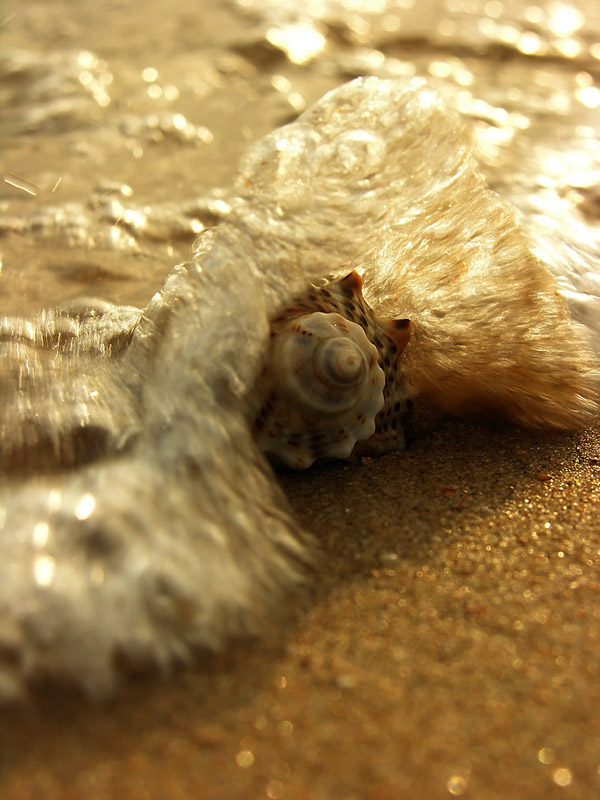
pixel 121 136
pixel 120 145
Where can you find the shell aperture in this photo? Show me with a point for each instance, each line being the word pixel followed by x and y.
pixel 331 379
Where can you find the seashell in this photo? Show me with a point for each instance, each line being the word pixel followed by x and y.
pixel 332 378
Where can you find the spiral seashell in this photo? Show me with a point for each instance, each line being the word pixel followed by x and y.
pixel 331 379
pixel 325 365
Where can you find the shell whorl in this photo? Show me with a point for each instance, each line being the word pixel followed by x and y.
pixel 325 366
pixel 331 379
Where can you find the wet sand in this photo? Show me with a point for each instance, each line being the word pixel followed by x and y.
pixel 448 645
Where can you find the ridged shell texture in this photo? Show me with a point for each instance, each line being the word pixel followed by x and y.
pixel 332 378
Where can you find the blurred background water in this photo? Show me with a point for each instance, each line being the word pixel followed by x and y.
pixel 123 123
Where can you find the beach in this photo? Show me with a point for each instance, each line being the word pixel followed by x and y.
pixel 447 639
pixel 447 644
